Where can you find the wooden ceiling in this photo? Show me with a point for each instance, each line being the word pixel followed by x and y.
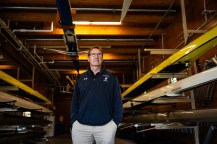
pixel 144 26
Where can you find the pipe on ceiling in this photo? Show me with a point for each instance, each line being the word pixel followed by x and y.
pixel 38 39
pixel 90 9
pixel 34 30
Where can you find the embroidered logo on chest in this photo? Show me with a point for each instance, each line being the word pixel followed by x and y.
pixel 105 78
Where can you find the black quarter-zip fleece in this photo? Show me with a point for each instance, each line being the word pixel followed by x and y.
pixel 96 99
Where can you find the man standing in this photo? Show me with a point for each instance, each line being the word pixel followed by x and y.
pixel 96 109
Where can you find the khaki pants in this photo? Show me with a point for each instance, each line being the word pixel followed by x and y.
pixel 85 134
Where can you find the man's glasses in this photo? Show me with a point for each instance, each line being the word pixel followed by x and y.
pixel 94 54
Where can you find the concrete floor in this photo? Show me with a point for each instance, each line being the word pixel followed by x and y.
pixel 66 139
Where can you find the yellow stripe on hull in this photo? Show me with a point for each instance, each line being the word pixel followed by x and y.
pixel 22 86
pixel 189 54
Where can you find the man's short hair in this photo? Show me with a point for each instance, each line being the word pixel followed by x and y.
pixel 94 47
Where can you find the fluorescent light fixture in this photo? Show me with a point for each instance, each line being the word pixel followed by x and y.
pixel 81 22
pixel 106 23
pixel 162 51
pixel 95 23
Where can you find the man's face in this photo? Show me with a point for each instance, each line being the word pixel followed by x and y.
pixel 95 58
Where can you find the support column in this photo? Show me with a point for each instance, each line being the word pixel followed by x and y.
pixel 139 64
pixel 184 23
pixel 193 106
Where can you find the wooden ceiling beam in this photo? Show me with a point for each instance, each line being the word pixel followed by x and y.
pixel 73 71
pixel 7 66
pixel 109 31
pixel 125 50
pixel 115 30
pixel 106 56
pixel 90 42
pixel 29 16
pixel 49 16
pixel 126 43
pixel 67 64
pixel 154 3
pixel 103 31
pixel 73 2
pixel 93 3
